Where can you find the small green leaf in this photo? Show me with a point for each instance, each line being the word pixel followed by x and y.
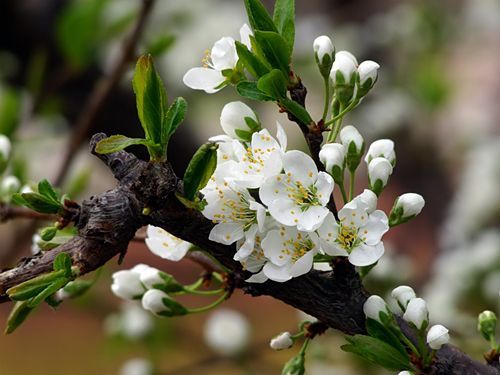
pixel 33 287
pixel 200 169
pixel 252 63
pixel 284 19
pixel 175 115
pixel 249 90
pixel 48 233
pixel 62 262
pixel 377 330
pixel 275 50
pixel 78 287
pixel 17 316
pixel 273 84
pixel 46 189
pixel 117 143
pixel 48 291
pixel 37 202
pixel 299 112
pixel 258 17
pixel 377 351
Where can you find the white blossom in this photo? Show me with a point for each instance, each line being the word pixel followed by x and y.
pixel 350 135
pixel 233 120
pixel 166 245
pixel 368 70
pixel 137 366
pixel 437 336
pixel 227 332
pixel 379 169
pixel 10 185
pixel 132 321
pixel 150 277
pixel 369 198
pixel 411 205
pixel 373 306
pixel 299 196
pixel 282 341
pixel 357 234
pixel 381 148
pixel 152 301
pixel 332 155
pixel 345 66
pixel 416 312
pixel 127 284
pixel 223 56
pixel 322 47
pixel 403 294
pixel 5 147
pixel 405 373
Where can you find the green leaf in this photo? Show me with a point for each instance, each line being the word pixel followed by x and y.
pixel 273 84
pixel 78 287
pixel 249 90
pixel 175 115
pixel 117 143
pixel 17 316
pixel 48 233
pixel 284 19
pixel 46 189
pixel 275 50
pixel 377 351
pixel 151 98
pixel 47 292
pixel 200 169
pixel 62 262
pixel 299 112
pixel 258 17
pixel 33 287
pixel 377 330
pixel 37 202
pixel 252 63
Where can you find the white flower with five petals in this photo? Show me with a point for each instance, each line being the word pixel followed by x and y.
pixel 223 56
pixel 299 196
pixel 166 245
pixel 357 234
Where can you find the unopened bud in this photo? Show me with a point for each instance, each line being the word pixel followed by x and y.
pixel 343 75
pixel 437 336
pixel 368 73
pixel 417 313
pixel 403 295
pixel 405 208
pixel 282 341
pixel 354 145
pixel 381 148
pixel 379 170
pixel 324 53
pixel 373 306
pixel 239 121
pixel 486 324
pixel 332 155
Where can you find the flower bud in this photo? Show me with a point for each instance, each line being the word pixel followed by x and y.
pixel 10 185
pixel 368 72
pixel 239 121
pixel 486 324
pixel 381 148
pixel 379 170
pixel 405 373
pixel 343 75
pixel 5 148
pixel 403 294
pixel 416 313
pixel 295 366
pixel 332 155
pixel 127 284
pixel 324 54
pixel 150 277
pixel 354 145
pixel 137 366
pixel 152 300
pixel 437 336
pixel 373 306
pixel 282 341
pixel 405 208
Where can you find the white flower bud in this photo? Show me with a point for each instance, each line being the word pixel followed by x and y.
pixel 416 313
pixel 405 373
pixel 26 189
pixel 282 341
pixel 152 300
pixel 343 67
pixel 373 306
pixel 348 55
pixel 349 134
pixel 333 155
pixel 381 148
pixel 323 46
pixel 151 277
pixel 379 169
pixel 137 366
pixel 368 70
pixel 127 284
pixel 369 198
pixel 227 332
pixel 403 294
pixel 411 204
pixel 10 185
pixel 239 121
pixel 5 147
pixel 437 336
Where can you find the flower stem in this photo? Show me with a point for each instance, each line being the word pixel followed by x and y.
pixel 326 81
pixel 352 178
pixel 210 306
pixel 342 112
pixel 342 190
pixel 205 292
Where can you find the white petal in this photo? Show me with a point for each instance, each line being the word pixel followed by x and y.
pixel 303 264
pixel 312 218
pixel 275 273
pixel 325 185
pixel 153 231
pixel 353 214
pixel 300 166
pixel 274 250
pixel 226 233
pixel 203 79
pixel 375 228
pixel 285 211
pixel 364 255
pixel 272 189
pixel 257 278
pixel 224 54
pixel 281 136
pixel 245 33
pixel 166 250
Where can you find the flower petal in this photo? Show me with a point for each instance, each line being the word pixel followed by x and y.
pixel 276 273
pixel 300 167
pixel 274 249
pixel 375 228
pixel 257 278
pixel 303 264
pixel 168 250
pixel 226 233
pixel 281 136
pixel 272 189
pixel 325 185
pixel 285 211
pixel 205 79
pixel 245 33
pixel 364 255
pixel 312 218
pixel 224 54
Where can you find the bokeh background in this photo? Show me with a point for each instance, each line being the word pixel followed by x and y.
pixel 437 97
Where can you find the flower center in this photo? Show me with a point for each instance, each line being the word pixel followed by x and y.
pixel 304 197
pixel 236 211
pixel 348 237
pixel 297 247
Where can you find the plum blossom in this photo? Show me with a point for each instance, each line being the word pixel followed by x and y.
pixel 165 245
pixel 357 234
pixel 222 57
pixel 299 196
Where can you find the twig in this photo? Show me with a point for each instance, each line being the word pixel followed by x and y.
pixel 101 92
pixel 8 212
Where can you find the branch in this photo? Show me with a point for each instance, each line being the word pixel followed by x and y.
pixel 102 90
pixel 8 212
pixel 108 222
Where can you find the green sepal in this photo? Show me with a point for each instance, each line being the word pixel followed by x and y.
pixel 249 90
pixel 48 233
pixel 258 17
pixel 284 20
pixel 378 352
pixel 379 331
pixel 273 84
pixel 353 156
pixel 299 112
pixel 171 285
pixel 251 62
pixel 195 204
pixel 118 142
pixel 295 365
pixel 17 316
pixel 174 308
pixel 275 50
pixel 243 135
pixel 200 169
pixel 377 187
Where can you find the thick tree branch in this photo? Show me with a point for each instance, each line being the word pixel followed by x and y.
pixel 108 222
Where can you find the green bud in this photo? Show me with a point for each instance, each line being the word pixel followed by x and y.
pixel 486 324
pixel 48 233
pixel 295 366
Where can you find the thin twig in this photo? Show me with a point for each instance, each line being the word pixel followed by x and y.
pixel 101 92
pixel 8 212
